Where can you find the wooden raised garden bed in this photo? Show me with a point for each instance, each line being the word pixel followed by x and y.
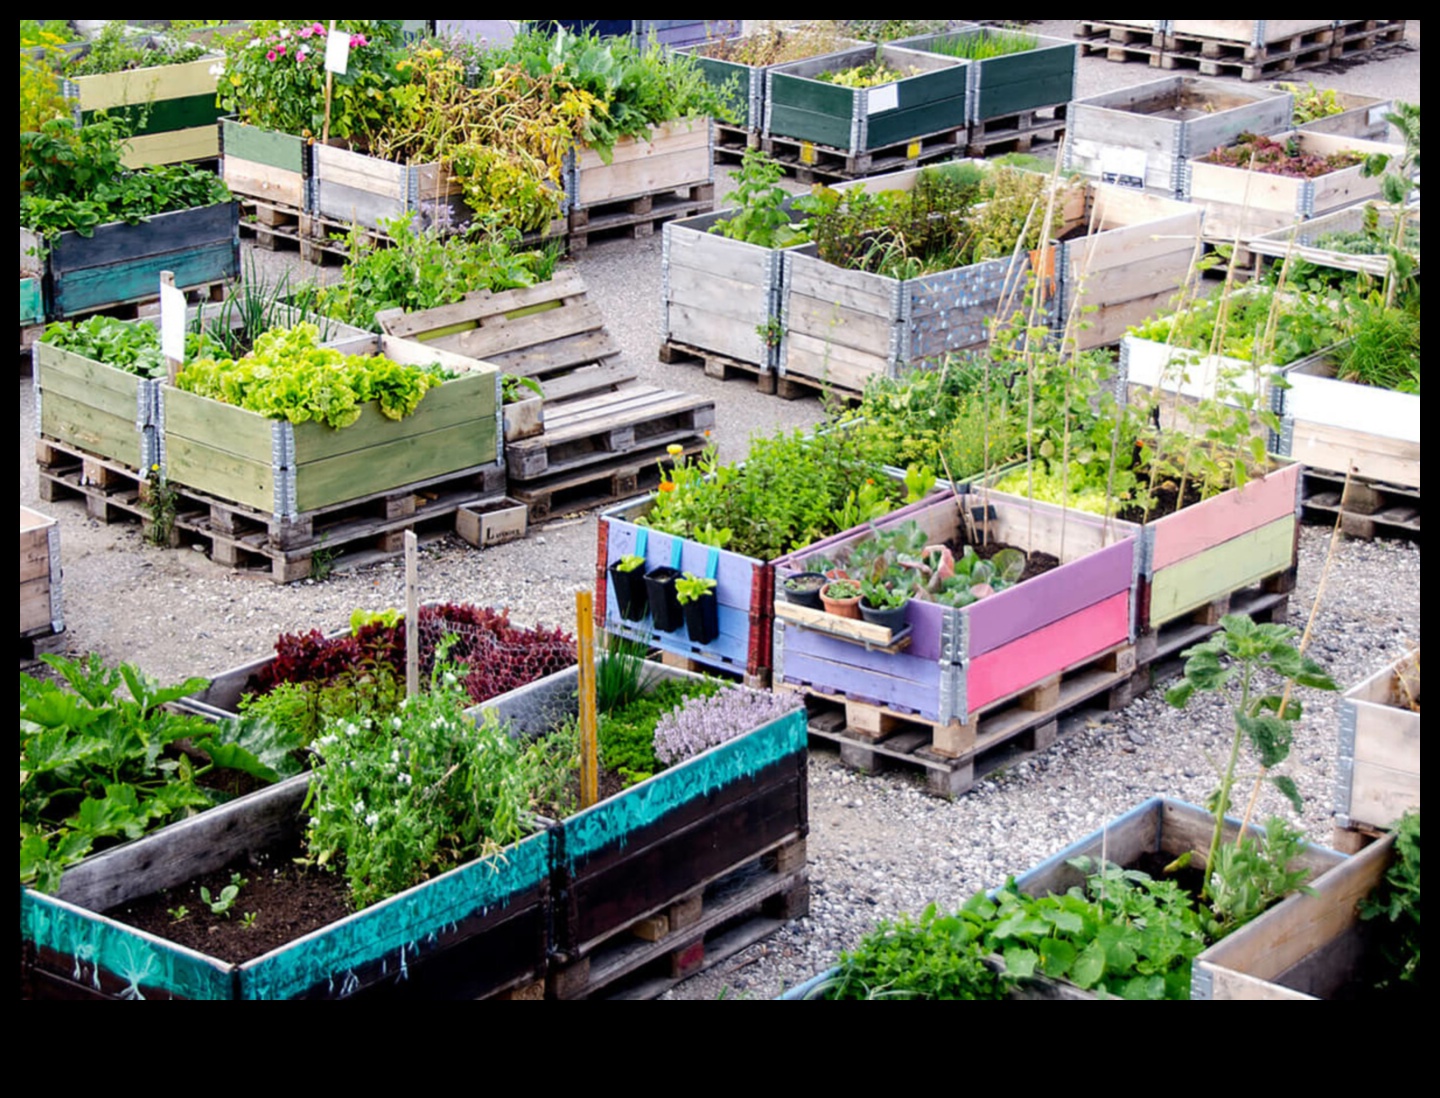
pixel 1145 136
pixel 1243 204
pixel 1345 426
pixel 677 157
pixel 41 612
pixel 263 164
pixel 1362 116
pixel 471 932
pixel 1305 947
pixel 854 121
pixel 120 263
pixel 100 409
pixel 172 107
pixel 961 662
pixel 1378 777
pixel 1012 84
pixel 661 841
pixel 721 296
pixel 350 187
pixel 1316 241
pixel 281 468
pixel 32 301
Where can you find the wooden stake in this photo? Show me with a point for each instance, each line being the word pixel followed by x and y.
pixel 412 617
pixel 329 91
pixel 589 748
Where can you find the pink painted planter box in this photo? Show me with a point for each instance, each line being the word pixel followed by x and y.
pixel 962 659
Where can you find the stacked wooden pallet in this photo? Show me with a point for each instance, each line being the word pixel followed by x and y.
pixel 1251 49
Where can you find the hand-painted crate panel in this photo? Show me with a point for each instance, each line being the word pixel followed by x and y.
pixel 1344 426
pixel 1378 760
pixel 663 839
pixel 98 408
pixel 265 164
pixel 282 468
pixel 1041 76
pixel 1240 203
pixel 1146 135
pixel 932 97
pixel 743 85
pixel 172 108
pixel 121 263
pixel 1034 630
pixel 677 155
pixel 32 302
pixel 492 908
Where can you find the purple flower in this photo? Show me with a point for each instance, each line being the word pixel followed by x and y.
pixel 701 723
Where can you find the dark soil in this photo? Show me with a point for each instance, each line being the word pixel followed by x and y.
pixel 1191 878
pixel 1166 495
pixel 1035 563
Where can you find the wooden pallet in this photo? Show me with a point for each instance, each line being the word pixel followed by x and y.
pixel 794 387
pixel 1209 57
pixel 1362 35
pixel 632 218
pixel 596 428
pixel 808 162
pixel 272 227
pixel 1099 35
pixel 1370 510
pixel 738 909
pixel 731 142
pixel 349 535
pixel 954 755
pixel 1020 132
pixel 721 367
pixel 598 485
pixel 539 331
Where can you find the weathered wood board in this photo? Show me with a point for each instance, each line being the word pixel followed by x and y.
pixel 677 155
pixel 41 606
pixel 265 164
pixel 1378 758
pixel 172 109
pixel 351 187
pixel 98 408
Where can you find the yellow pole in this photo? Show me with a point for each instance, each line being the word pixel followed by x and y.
pixel 589 748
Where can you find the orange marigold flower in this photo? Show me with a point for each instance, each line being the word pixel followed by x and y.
pixel 667 486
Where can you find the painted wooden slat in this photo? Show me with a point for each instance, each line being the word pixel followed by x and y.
pixel 91 288
pixel 927 117
pixel 1022 663
pixel 83 425
pixel 149 84
pixel 906 685
pixel 271 148
pixel 1375 457
pixel 1194 529
pixel 1316 395
pixel 171 234
pixel 107 388
pixel 1226 567
pixel 195 143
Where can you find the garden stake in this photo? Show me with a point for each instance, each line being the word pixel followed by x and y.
pixel 412 618
pixel 329 92
pixel 589 753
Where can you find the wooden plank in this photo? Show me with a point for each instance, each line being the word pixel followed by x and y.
pixel 144 85
pixel 1226 567
pixel 1316 395
pixel 92 429
pixel 1195 529
pixel 214 426
pixel 248 177
pixel 827 363
pixel 109 390
pixel 834 625
pixel 117 246
pixel 173 146
pixel 369 174
pixel 1321 446
pixel 257 147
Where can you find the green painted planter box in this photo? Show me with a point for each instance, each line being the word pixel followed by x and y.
pixel 282 468
pixel 172 106
pixel 120 263
pixel 474 931
pixel 263 164
pixel 97 408
pixel 1043 76
pixel 858 120
pixel 743 85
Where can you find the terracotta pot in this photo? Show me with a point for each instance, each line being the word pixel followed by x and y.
pixel 845 608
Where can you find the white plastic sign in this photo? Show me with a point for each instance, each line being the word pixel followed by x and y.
pixel 1124 168
pixel 172 322
pixel 337 52
pixel 884 98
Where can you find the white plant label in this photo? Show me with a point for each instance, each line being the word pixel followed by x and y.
pixel 1124 168
pixel 172 322
pixel 337 52
pixel 884 98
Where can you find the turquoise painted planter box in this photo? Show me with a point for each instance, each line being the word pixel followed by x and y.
pixel 121 263
pixel 472 932
pixel 642 849
pixel 32 304
pixel 858 120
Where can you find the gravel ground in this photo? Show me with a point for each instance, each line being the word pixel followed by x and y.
pixel 879 845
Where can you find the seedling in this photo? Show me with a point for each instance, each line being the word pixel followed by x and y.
pixel 221 905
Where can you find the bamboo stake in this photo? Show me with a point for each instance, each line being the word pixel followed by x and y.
pixel 589 748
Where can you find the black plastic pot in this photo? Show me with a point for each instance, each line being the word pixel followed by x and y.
pixel 630 593
pixel 664 604
pixel 702 618
pixel 810 598
pixel 892 619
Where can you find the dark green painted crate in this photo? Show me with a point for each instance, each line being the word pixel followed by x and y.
pixel 1043 76
pixel 857 120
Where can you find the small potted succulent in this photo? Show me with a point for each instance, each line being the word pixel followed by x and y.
pixel 803 588
pixel 841 597
pixel 664 602
pixel 627 578
pixel 700 607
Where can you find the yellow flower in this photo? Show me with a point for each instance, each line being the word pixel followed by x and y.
pixel 235 79
pixel 674 449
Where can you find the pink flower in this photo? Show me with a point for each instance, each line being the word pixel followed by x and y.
pixel 357 40
pixel 301 56
pixel 318 28
pixel 270 56
pixel 305 32
pixel 280 50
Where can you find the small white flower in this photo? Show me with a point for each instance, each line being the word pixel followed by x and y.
pixel 372 819
pixel 217 69
pixel 395 755
pixel 405 778
pixel 284 32
pixel 396 723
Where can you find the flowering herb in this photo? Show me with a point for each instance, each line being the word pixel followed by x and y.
pixel 702 722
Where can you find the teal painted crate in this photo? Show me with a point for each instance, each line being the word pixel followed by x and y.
pixel 934 98
pixel 32 302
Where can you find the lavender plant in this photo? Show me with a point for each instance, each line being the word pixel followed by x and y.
pixel 703 722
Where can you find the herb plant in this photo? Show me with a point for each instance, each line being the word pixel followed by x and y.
pixel 1394 909
pixel 703 721
pixel 760 218
pixel 986 42
pixel 690 588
